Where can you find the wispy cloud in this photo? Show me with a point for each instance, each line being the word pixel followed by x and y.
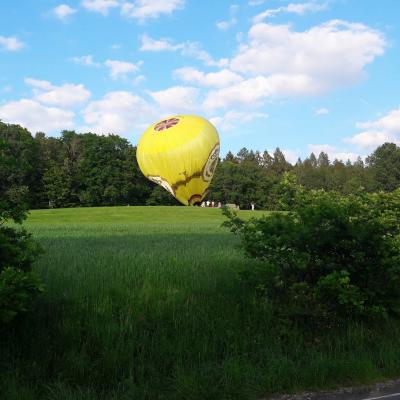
pixel 102 7
pixel 86 60
pixel 376 132
pixel 226 24
pixel 322 111
pixel 11 43
pixel 294 8
pixel 63 11
pixel 120 69
pixel 190 49
pixel 232 119
pixel 150 9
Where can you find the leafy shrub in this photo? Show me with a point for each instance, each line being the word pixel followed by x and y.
pixel 17 249
pixel 18 285
pixel 328 258
pixel 17 288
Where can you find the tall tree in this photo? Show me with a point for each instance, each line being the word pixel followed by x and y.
pixel 384 164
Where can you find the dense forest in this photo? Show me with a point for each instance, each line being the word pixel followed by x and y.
pixel 91 170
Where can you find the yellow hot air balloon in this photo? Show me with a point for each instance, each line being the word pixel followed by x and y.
pixel 180 153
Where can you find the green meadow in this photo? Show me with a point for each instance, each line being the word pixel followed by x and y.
pixel 146 303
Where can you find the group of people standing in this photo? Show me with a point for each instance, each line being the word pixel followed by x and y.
pixel 212 204
pixel 218 204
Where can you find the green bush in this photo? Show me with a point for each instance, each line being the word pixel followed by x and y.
pixel 17 249
pixel 17 288
pixel 18 284
pixel 329 258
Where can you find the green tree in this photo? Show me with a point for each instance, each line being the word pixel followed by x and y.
pixel 18 169
pixel 384 164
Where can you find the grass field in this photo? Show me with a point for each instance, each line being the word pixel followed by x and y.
pixel 145 303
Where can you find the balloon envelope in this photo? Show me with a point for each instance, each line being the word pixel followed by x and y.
pixel 180 153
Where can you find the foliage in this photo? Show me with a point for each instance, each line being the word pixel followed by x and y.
pixel 16 170
pixel 17 288
pixel 330 257
pixel 17 249
pixel 384 164
pixel 18 285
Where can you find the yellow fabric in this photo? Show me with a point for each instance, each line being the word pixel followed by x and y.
pixel 181 156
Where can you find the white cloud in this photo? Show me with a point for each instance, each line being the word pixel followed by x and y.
pixel 35 116
pixel 176 99
pixel 194 50
pixel 147 9
pixel 11 43
pixel 63 11
pixel 322 111
pixel 251 91
pixel 295 8
pixel 231 119
pixel 120 69
pixel 150 44
pixel 221 78
pixel 67 95
pixel 191 49
pixel 277 61
pixel 225 25
pixel 39 84
pixel 290 155
pixel 100 6
pixel 85 60
pixel 375 133
pixel 333 152
pixel 311 62
pixel 118 112
pixel 302 8
pixel 323 50
pixel 139 79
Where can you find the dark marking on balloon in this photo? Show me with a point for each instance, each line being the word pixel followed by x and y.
pixel 206 173
pixel 185 181
pixel 166 124
pixel 195 199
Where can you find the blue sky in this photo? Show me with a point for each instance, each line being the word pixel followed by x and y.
pixel 302 75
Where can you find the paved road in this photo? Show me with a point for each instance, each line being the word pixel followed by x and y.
pixel 386 391
pixel 393 396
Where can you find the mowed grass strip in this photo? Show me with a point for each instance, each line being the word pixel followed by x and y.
pixel 146 303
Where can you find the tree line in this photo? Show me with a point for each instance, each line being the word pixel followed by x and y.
pixel 92 170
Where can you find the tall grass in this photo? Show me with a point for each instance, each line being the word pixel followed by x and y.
pixel 145 303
